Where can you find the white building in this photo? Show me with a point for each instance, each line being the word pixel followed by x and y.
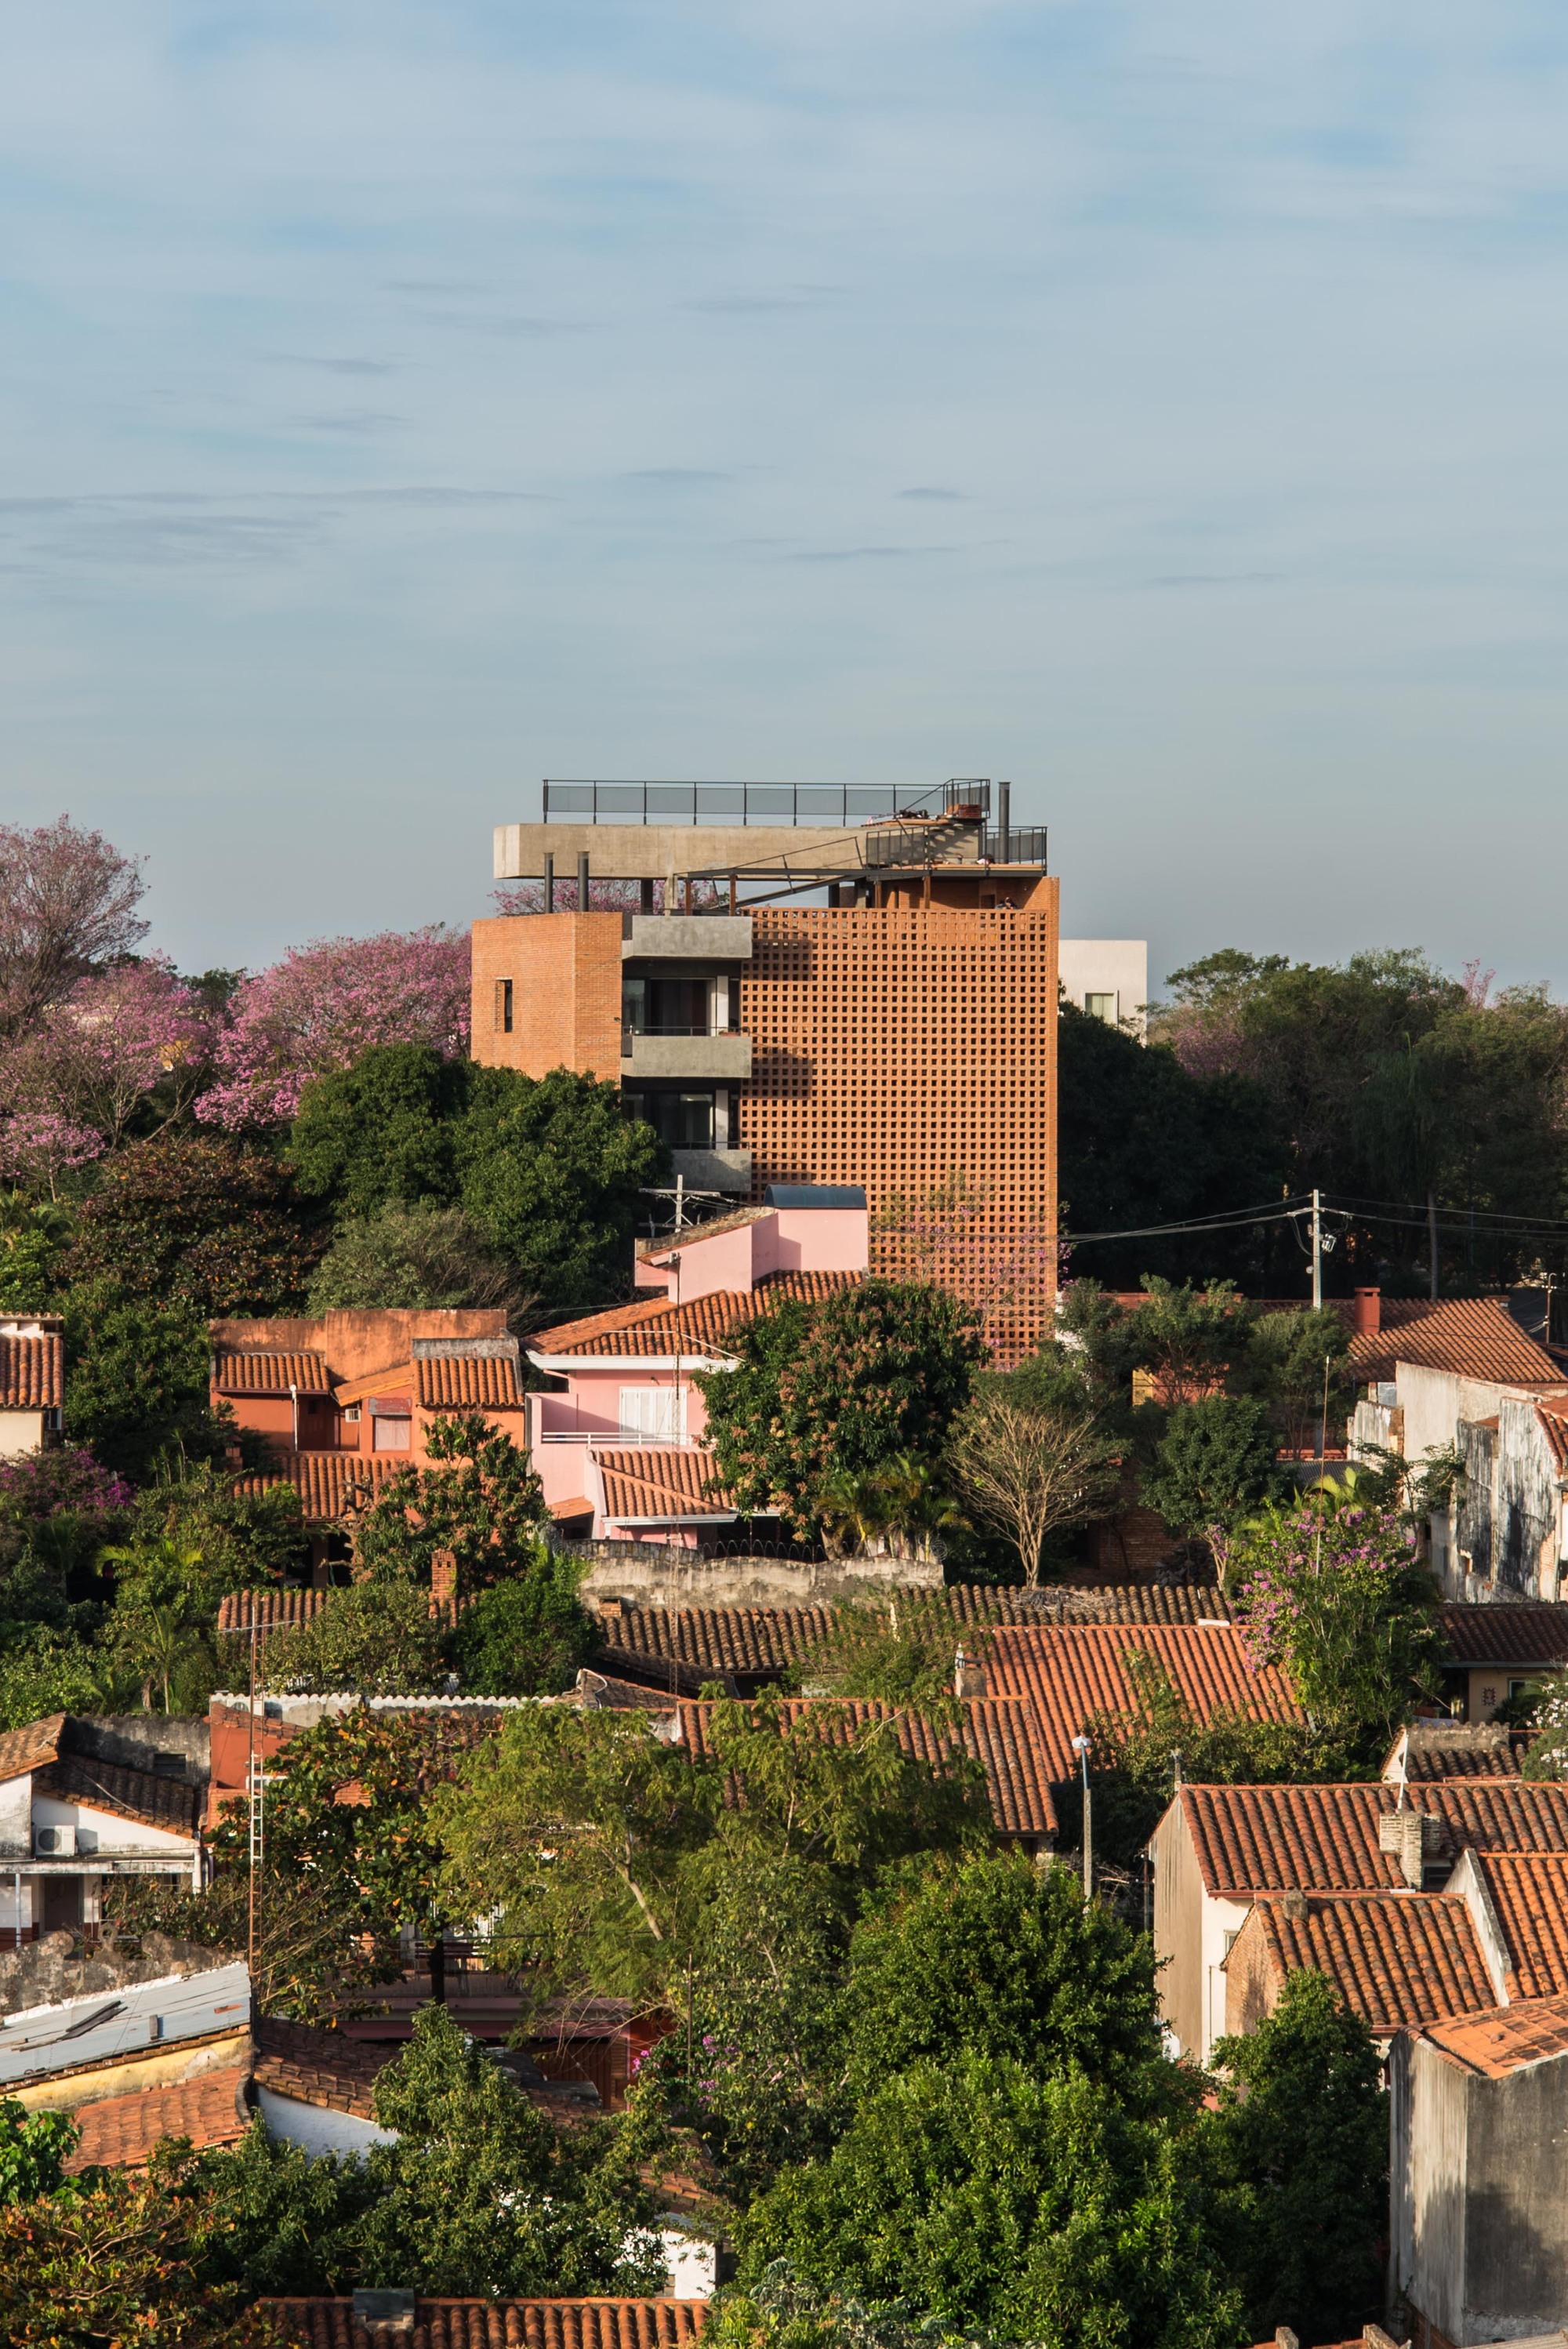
pixel 1107 978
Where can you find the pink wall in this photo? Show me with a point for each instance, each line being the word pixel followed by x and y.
pixel 779 1239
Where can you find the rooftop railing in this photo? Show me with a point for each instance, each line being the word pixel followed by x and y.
pixel 825 807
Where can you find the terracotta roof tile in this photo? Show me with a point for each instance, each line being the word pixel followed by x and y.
pixel 663 1330
pixel 1534 1633
pixel 32 1371
pixel 502 2324
pixel 269 1611
pixel 143 1794
pixel 1428 1764
pixel 120 2132
pixel 714 1642
pixel 1554 1428
pixel 255 1370
pixel 31 1747
pixel 1504 2039
pixel 318 2067
pixel 1073 1670
pixel 1002 1733
pixel 1397 1959
pixel 466 1382
pixel 662 1485
pixel 331 1484
pixel 1530 1893
pixel 1475 1337
pixel 1257 1839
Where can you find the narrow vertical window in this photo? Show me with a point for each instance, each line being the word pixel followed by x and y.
pixel 504 1006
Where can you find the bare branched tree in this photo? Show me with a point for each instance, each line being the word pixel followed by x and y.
pixel 67 905
pixel 1028 1470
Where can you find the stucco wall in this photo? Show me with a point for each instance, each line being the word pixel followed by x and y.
pixel 1178 1929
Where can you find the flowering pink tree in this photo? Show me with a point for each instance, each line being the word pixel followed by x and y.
pixel 68 900
pixel 92 1060
pixel 314 1013
pixel 37 1148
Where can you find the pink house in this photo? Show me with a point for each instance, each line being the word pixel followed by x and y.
pixel 617 1440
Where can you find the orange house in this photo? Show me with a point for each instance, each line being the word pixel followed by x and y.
pixel 346 1397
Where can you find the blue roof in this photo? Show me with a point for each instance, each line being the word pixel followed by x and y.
pixel 814 1195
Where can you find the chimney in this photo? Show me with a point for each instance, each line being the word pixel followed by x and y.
pixel 1412 1838
pixel 1369 1312
pixel 1294 1907
pixel 385 2316
pixel 1285 2339
pixel 443 1581
pixel 968 1675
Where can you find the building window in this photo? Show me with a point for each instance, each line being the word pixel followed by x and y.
pixel 653 1415
pixel 1100 1006
pixel 667 1007
pixel 391 1422
pixel 503 1007
pixel 683 1121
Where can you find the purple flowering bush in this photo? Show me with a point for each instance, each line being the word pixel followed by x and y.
pixel 65 1481
pixel 1333 1587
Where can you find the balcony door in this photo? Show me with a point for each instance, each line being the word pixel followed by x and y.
pixel 653 1415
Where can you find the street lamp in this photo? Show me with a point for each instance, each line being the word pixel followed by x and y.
pixel 1081 1747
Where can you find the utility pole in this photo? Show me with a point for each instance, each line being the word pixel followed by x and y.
pixel 1317 1251
pixel 1081 1747
pixel 1432 1240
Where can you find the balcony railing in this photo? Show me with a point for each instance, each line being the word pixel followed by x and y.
pixel 824 806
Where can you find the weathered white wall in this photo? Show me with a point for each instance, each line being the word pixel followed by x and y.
pixel 316 2130
pixel 1118 967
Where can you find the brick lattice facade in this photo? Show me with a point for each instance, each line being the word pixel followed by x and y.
pixel 914 1052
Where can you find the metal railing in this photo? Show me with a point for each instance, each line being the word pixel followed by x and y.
pixel 911 844
pixel 847 807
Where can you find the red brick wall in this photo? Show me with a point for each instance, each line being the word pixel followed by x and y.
pixel 903 1049
pixel 565 974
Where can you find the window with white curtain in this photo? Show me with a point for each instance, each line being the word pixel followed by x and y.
pixel 653 1414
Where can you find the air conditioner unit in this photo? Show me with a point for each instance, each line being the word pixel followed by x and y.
pixel 55 1843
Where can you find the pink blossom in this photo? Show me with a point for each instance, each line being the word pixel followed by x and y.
pixel 1208 1044
pixel 37 1148
pixel 68 900
pixel 314 1013
pixel 95 1057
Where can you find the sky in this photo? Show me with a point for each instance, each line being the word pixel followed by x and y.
pixel 1161 405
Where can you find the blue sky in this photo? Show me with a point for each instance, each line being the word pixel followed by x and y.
pixel 1161 405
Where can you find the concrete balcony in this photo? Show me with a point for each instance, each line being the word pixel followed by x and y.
pixel 685 1059
pixel 713 1170
pixel 685 938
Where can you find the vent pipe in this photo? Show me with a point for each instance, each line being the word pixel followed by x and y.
pixel 583 883
pixel 1003 822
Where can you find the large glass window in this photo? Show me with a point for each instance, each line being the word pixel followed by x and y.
pixel 665 1006
pixel 683 1121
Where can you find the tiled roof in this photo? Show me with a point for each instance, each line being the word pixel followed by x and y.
pixel 1534 1633
pixel 1002 1733
pixel 502 2324
pixel 716 1640
pixel 32 1371
pixel 331 1484
pixel 1475 1337
pixel 318 2067
pixel 120 2132
pixel 254 1370
pixel 663 1330
pixel 1505 2038
pixel 1554 1428
pixel 1397 1959
pixel 1073 1670
pixel 269 1611
pixel 31 1747
pixel 466 1382
pixel 659 1483
pixel 143 1794
pixel 1257 1839
pixel 1530 1893
pixel 1428 1764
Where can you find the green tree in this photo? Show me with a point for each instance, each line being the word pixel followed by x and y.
pixel 32 1235
pixel 991 1955
pixel 1144 1141
pixel 528 1636
pixel 481 1501
pixel 822 1391
pixel 1030 2204
pixel 245 1540
pixel 1301 2143
pixel 34 2151
pixel 548 1169
pixel 1287 1356
pixel 414 1256
pixel 379 1638
pixel 136 1381
pixel 44 1672
pixel 196 1222
pixel 1215 1464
